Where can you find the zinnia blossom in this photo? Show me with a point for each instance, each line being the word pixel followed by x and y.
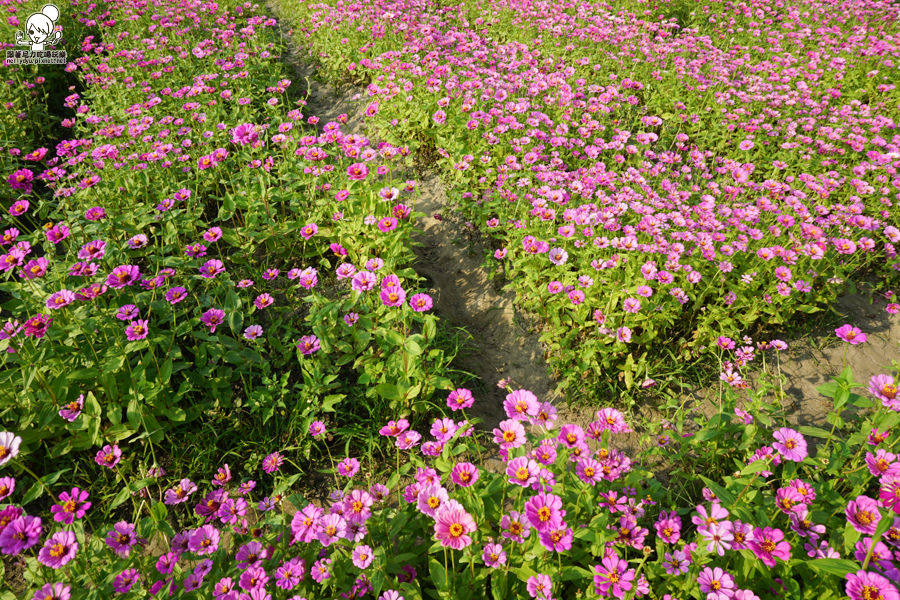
pixel 850 334
pixel 768 544
pixel 452 526
pixel 109 456
pixel 790 444
pixel 613 577
pixel 870 586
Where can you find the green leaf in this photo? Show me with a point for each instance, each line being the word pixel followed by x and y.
pixel 165 371
pixel 159 512
pixel 833 566
pixel 121 497
pixel 33 493
pixel 813 431
pixel 388 391
pixel 438 574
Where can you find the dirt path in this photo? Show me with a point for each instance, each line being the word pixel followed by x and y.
pixel 500 347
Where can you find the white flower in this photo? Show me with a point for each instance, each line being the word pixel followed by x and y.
pixel 9 446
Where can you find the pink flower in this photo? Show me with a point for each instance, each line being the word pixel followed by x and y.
pixel 307 231
pixel 521 405
pixel 393 295
pixel 613 577
pixel 790 444
pixel 851 335
pixel 543 510
pixel 716 584
pixel 348 467
pixel 768 544
pixel 362 556
pixel 539 586
pixel 870 586
pixel 493 556
pixel 421 302
pixel 121 538
pixel 137 330
pixel 464 474
pixel 510 434
pixel 213 318
pixel 884 388
pixel 863 514
pixel 453 525
pixel 460 398
pixel 109 456
pixel 308 344
pixel 58 550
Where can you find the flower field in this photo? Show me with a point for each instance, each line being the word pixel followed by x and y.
pixel 225 375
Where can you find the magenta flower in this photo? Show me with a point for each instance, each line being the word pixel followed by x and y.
pixel 213 318
pixel 539 586
pixel 510 434
pixel 421 302
pixel 357 171
pixel 272 462
pixel 544 510
pixel 393 295
pixel 305 524
pixel 850 334
pixel 60 299
pixel 394 428
pixel 137 330
pixel 459 399
pixel 884 388
pixel 316 428
pixel 452 526
pixel 320 570
pixel 308 344
pixel 123 275
pixel 253 332
pixel 211 268
pixel 72 505
pixel 557 538
pixel 870 586
pixel 222 476
pixel 204 540
pixel 718 537
pixel 521 405
pixel 357 506
pixel 464 474
pixel 790 444
pixel 53 591
pixel 768 544
pixel 716 584
pixel 109 456
pixel 613 577
pixel 332 527
pixel 263 300
pixel 58 550
pixel 348 467
pixel 121 538
pixel 20 533
pixel 889 494
pixel 362 556
pixel 493 556
pixel 863 514
pixel 180 493
pixel 125 580
pixel 176 295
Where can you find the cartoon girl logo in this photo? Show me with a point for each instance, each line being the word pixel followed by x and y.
pixel 39 29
